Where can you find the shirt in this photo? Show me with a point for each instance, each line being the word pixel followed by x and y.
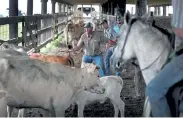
pixel 116 28
pixel 177 17
pixel 92 43
pixel 110 33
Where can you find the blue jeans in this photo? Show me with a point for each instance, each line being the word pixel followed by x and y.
pixel 98 60
pixel 159 86
pixel 109 53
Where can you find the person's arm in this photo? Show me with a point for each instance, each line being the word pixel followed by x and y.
pixel 114 35
pixel 103 38
pixel 178 32
pixel 177 17
pixel 79 45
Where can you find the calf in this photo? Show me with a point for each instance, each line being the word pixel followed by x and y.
pixel 112 85
pixel 65 59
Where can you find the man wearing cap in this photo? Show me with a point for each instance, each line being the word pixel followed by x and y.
pixel 90 41
pixel 111 34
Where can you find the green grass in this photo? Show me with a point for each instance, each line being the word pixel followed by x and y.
pixel 4 31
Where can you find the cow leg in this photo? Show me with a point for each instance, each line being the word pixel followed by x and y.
pixel 3 105
pixel 80 109
pixel 116 109
pixel 21 112
pixel 59 112
pixel 9 110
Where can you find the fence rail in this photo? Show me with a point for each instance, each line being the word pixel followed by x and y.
pixel 33 32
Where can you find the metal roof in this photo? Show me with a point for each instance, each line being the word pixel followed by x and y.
pixel 150 2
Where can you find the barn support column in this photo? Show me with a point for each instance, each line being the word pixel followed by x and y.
pixel 63 8
pixel 13 11
pixel 164 10
pixel 53 2
pixel 91 8
pixel 29 7
pixel 43 12
pixel 141 7
pixel 59 8
pixel 82 7
pixel 108 8
pixel 149 9
pixel 132 10
pixel 155 11
pixel 112 8
pixel 121 6
pixel 159 13
pixel 44 6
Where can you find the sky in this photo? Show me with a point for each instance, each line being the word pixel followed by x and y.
pixel 37 7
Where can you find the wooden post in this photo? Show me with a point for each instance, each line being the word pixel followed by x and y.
pixel 159 11
pixel 59 8
pixel 53 2
pixel 29 7
pixel 43 12
pixel 13 11
pixel 141 7
pixel 164 10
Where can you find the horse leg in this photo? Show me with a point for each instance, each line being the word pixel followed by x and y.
pixel 136 81
pixel 147 108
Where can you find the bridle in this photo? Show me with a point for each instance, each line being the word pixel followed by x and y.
pixel 125 41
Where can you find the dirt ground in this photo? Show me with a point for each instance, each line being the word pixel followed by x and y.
pixel 133 104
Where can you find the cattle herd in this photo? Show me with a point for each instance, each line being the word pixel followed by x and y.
pixel 51 82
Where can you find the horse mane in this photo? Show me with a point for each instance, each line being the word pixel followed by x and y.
pixel 170 36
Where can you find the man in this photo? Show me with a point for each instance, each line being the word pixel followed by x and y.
pixel 171 73
pixel 90 41
pixel 118 25
pixel 112 39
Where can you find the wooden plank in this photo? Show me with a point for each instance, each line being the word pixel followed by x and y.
pixel 62 23
pixel 44 30
pixel 15 41
pixel 32 27
pixel 11 20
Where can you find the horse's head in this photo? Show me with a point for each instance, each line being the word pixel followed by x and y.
pixel 124 49
pixel 138 38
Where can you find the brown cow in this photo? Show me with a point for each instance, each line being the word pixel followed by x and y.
pixel 65 59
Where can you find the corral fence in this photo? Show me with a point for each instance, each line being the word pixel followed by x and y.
pixel 34 32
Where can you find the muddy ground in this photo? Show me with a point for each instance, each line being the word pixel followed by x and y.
pixel 133 104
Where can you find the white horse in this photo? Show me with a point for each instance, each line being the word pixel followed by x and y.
pixel 147 44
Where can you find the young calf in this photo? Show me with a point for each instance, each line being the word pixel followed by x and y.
pixel 113 86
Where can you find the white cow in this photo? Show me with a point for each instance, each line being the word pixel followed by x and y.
pixel 34 84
